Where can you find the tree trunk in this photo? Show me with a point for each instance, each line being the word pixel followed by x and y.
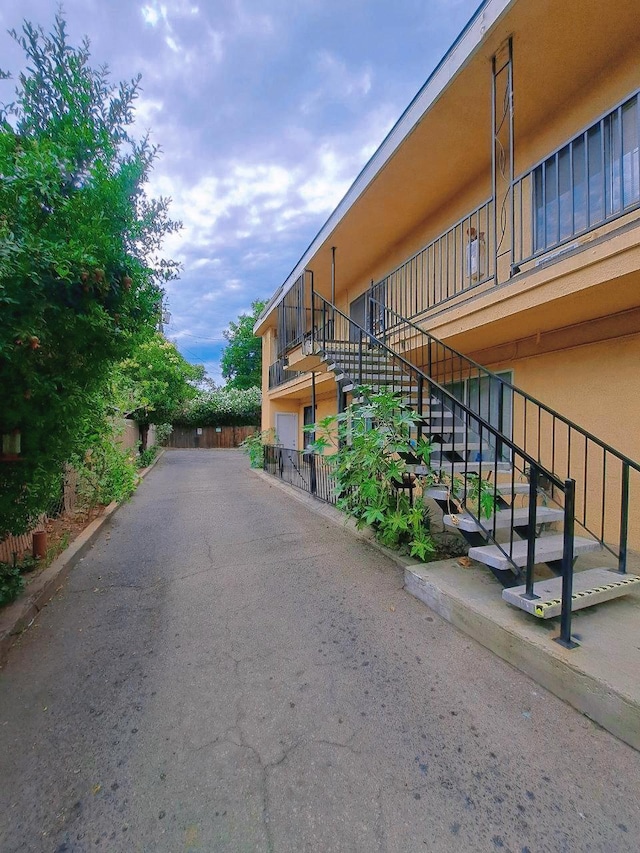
pixel 144 434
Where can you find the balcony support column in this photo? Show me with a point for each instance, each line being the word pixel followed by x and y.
pixel 502 157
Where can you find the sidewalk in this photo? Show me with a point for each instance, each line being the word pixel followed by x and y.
pixel 600 678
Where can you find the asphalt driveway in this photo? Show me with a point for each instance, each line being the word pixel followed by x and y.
pixel 226 671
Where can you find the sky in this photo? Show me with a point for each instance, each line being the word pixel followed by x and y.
pixel 265 111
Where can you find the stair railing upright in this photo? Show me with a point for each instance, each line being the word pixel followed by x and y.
pixel 600 471
pixel 366 360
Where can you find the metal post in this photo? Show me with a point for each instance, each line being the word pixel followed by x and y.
pixel 531 533
pixel 624 520
pixel 333 275
pixel 333 291
pixel 360 357
pixel 511 158
pixel 420 404
pixel 313 485
pixel 313 312
pixel 567 566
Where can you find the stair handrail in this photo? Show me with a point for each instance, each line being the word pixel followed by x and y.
pixel 572 428
pixel 555 414
pixel 567 487
pixel 412 368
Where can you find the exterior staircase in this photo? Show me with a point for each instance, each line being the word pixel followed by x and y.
pixel 516 512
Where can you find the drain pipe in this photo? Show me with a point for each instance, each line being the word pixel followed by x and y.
pixel 333 275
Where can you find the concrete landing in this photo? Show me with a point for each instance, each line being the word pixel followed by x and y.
pixel 599 678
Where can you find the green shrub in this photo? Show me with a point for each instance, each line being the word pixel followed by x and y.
pixel 11 583
pixel 222 407
pixel 106 473
pixel 254 444
pixel 163 431
pixel 147 456
pixel 371 440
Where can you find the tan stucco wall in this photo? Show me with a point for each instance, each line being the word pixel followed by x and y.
pixel 596 386
pixel 568 328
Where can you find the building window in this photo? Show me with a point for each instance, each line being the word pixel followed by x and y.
pixel 308 420
pixel 492 400
pixel 592 179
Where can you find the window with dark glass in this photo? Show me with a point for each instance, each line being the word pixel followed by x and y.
pixel 595 177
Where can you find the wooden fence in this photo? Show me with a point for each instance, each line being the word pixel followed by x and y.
pixel 210 437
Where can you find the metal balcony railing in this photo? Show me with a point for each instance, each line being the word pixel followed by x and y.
pixel 461 258
pixel 278 374
pixel 587 182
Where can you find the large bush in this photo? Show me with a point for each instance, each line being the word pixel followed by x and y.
pixel 222 407
pixel 80 278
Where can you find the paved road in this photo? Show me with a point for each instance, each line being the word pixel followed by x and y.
pixel 226 671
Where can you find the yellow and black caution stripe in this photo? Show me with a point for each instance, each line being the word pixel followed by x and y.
pixel 542 607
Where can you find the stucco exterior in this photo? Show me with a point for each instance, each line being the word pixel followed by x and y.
pixel 563 315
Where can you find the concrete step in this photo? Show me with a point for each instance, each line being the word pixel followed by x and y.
pixel 377 381
pixel 453 432
pixel 378 389
pixel 503 519
pixel 436 425
pixel 469 467
pixel 547 550
pixel 593 586
pixel 441 493
pixel 459 446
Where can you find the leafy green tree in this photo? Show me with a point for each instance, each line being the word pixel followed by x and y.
pixel 156 382
pixel 242 357
pixel 80 277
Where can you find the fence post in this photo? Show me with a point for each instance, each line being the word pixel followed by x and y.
pixel 312 470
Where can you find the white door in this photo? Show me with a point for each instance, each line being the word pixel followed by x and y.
pixel 287 429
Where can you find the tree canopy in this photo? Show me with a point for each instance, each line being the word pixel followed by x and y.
pixel 80 273
pixel 242 357
pixel 222 407
pixel 156 381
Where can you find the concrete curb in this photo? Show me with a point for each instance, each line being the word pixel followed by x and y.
pixel 19 615
pixel 505 632
pixel 547 663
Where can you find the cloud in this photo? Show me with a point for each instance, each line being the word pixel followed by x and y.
pixel 265 111
pixel 165 16
pixel 339 83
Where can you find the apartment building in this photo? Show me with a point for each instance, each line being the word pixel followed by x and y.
pixel 489 254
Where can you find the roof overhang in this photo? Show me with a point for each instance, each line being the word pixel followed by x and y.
pixel 449 66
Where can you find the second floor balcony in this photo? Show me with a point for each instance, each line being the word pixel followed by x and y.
pixel 588 187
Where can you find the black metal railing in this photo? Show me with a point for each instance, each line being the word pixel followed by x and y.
pixel 279 373
pixel 459 259
pixel 303 469
pixel 605 478
pixel 368 363
pixel 587 182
